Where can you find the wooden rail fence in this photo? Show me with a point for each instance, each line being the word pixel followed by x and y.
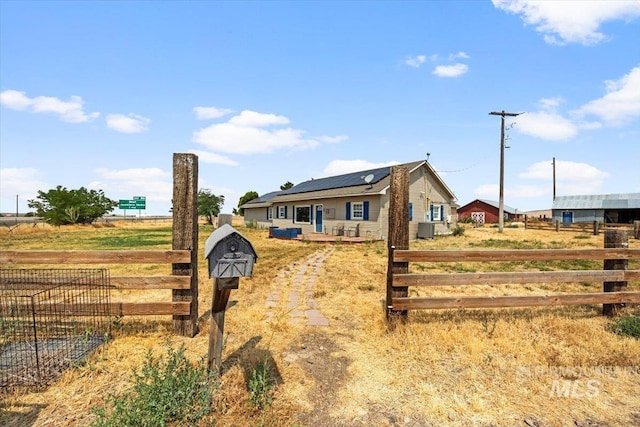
pixel 183 281
pixel 614 275
pixel 584 227
pixel 619 277
pixel 103 258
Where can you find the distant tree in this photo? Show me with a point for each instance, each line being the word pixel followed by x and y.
pixel 287 185
pixel 209 204
pixel 248 196
pixel 60 206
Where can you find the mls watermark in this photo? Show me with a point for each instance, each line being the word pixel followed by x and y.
pixel 576 382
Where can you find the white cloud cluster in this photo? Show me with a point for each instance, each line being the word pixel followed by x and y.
pixel 70 111
pixel 620 105
pixel 455 70
pixel 207 113
pixel 571 177
pixel 576 21
pixel 621 102
pixel 251 132
pixel 447 70
pixel 546 125
pixel 131 123
pixel 416 61
pixel 21 181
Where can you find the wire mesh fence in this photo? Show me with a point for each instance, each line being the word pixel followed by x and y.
pixel 50 319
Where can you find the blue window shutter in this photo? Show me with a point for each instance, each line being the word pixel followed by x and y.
pixel 285 212
pixel 348 214
pixel 410 211
pixel 311 214
pixel 267 214
pixel 365 211
pixel 431 213
pixel 441 212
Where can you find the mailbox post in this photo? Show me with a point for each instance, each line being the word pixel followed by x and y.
pixel 230 256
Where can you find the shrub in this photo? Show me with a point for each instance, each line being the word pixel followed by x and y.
pixel 457 231
pixel 629 326
pixel 164 392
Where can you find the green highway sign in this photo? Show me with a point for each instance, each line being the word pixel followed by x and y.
pixel 132 204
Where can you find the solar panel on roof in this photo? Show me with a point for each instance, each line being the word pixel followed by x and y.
pixel 340 181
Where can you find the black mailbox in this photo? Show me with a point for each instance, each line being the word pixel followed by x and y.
pixel 229 254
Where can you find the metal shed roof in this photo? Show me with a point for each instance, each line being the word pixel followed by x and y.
pixel 598 201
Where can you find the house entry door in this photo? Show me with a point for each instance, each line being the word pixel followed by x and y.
pixel 318 218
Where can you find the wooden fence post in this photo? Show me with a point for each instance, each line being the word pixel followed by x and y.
pixel 596 227
pixel 185 237
pixel 614 239
pixel 526 221
pixel 557 225
pixel 636 229
pixel 398 236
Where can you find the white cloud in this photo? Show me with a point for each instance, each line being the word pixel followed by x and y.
pixel 546 125
pixel 340 167
pixel 255 119
pixel 205 113
pixel 209 157
pixel 68 111
pixel 24 182
pixel 487 191
pixel 550 104
pixel 459 55
pixel 564 22
pixel 621 102
pixel 332 139
pixel 416 61
pixel 131 123
pixel 153 183
pixel 571 177
pixel 252 132
pixel 454 70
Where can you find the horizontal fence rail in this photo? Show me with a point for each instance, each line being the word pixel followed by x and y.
pixel 15 258
pixel 402 281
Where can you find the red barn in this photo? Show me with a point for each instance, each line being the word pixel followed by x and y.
pixel 486 211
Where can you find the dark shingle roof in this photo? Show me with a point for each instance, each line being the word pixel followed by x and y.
pixel 339 181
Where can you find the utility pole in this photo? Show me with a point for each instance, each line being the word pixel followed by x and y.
pixel 502 114
pixel 554 179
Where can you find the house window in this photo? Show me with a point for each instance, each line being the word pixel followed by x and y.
pixel 269 214
pixel 281 212
pixel 357 210
pixel 437 212
pixel 302 214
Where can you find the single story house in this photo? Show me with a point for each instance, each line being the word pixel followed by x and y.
pixel 604 208
pixel 486 212
pixel 357 204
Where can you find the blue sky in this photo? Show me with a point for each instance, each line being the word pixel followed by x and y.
pixel 101 94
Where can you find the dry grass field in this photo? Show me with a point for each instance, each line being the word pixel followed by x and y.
pixel 499 367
